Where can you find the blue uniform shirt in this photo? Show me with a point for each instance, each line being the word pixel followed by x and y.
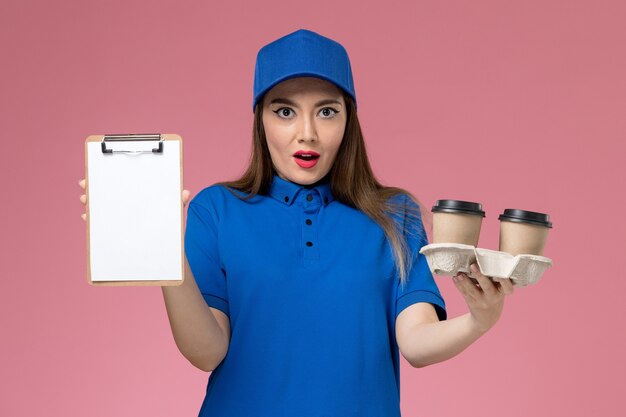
pixel 312 295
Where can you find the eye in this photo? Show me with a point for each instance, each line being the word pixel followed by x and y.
pixel 328 112
pixel 283 112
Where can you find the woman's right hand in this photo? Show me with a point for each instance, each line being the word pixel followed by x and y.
pixel 83 197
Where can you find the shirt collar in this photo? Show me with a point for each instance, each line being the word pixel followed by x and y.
pixel 286 191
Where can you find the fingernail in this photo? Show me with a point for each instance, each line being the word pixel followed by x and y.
pixel 473 268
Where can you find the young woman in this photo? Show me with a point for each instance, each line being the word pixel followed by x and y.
pixel 304 281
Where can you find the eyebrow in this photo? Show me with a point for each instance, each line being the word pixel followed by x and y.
pixel 291 103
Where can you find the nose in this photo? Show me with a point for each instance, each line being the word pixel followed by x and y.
pixel 307 129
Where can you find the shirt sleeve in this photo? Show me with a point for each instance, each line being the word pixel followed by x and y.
pixel 420 285
pixel 202 251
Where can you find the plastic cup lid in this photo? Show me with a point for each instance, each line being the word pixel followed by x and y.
pixel 524 216
pixel 458 206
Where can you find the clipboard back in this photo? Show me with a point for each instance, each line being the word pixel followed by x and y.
pixel 134 186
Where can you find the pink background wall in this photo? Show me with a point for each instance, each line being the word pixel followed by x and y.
pixel 513 104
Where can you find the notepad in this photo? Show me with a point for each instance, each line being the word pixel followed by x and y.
pixel 134 209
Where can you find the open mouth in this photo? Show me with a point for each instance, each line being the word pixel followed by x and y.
pixel 306 157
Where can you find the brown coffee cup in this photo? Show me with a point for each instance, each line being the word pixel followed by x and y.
pixel 523 232
pixel 456 221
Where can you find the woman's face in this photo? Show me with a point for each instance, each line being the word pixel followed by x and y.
pixel 304 115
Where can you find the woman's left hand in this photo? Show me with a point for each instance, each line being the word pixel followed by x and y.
pixel 484 299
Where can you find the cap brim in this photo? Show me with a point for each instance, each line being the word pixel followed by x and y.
pixel 296 75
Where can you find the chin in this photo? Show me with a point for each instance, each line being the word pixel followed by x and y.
pixel 305 178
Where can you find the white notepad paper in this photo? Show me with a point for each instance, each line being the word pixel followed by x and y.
pixel 135 212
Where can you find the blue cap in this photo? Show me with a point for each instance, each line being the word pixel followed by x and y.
pixel 300 54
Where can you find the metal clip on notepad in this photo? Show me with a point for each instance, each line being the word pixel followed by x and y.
pixel 132 137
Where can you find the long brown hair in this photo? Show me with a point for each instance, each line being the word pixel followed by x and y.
pixel 352 182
